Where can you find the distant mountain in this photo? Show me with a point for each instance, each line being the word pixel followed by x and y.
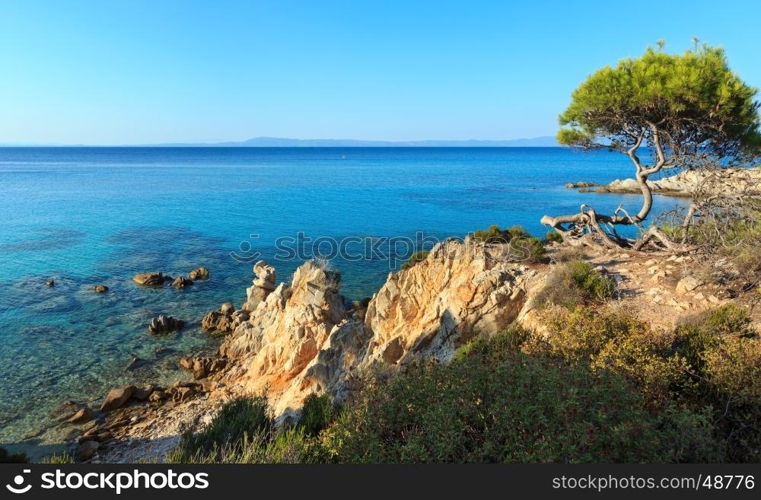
pixel 278 142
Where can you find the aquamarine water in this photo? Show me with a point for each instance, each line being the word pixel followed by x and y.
pixel 86 216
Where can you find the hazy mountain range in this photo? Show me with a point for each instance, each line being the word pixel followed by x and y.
pixel 277 142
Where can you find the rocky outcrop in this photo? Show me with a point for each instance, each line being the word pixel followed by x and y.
pixel 302 338
pixel 165 324
pixel 263 285
pixel 457 292
pixel 203 367
pixel 151 279
pixel 100 289
pixel 224 320
pixel 727 182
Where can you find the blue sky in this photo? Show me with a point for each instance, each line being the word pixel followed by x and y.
pixel 115 72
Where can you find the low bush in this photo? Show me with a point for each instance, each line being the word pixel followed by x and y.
pixel 239 420
pixel 494 404
pixel 496 235
pixel 574 284
pixel 317 414
pixel 415 258
pixel 710 363
pixel 553 237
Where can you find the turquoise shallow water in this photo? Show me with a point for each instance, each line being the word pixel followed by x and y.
pixel 86 216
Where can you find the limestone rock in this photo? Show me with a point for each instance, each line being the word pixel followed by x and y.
pixel 165 324
pixel 302 339
pixel 118 397
pixel 688 284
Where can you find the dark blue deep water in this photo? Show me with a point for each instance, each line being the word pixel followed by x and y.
pixel 86 216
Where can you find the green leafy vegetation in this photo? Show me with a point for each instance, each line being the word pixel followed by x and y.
pixel 694 99
pixel 496 404
pixel 523 246
pixel 711 364
pixel 415 258
pixel 576 283
pixel 553 237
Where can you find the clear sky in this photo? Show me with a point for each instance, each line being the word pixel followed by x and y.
pixel 115 72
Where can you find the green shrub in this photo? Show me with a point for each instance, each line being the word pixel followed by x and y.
pixel 553 237
pixel 493 404
pixel 236 420
pixel 527 249
pixel 317 414
pixel 496 235
pixel 576 283
pixel 415 258
pixel 711 363
pixel 12 458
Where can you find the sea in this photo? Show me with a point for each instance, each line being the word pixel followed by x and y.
pixel 98 216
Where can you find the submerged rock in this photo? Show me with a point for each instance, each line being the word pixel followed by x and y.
pixel 165 324
pixel 135 363
pixel 50 283
pixel 100 289
pixel 181 282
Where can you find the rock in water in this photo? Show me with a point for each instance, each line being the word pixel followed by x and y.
pixel 150 279
pixel 118 397
pixel 100 288
pixel 165 324
pixel 50 283
pixel 83 415
pixel 199 274
pixel 181 282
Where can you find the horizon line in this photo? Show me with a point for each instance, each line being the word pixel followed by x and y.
pixel 268 141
